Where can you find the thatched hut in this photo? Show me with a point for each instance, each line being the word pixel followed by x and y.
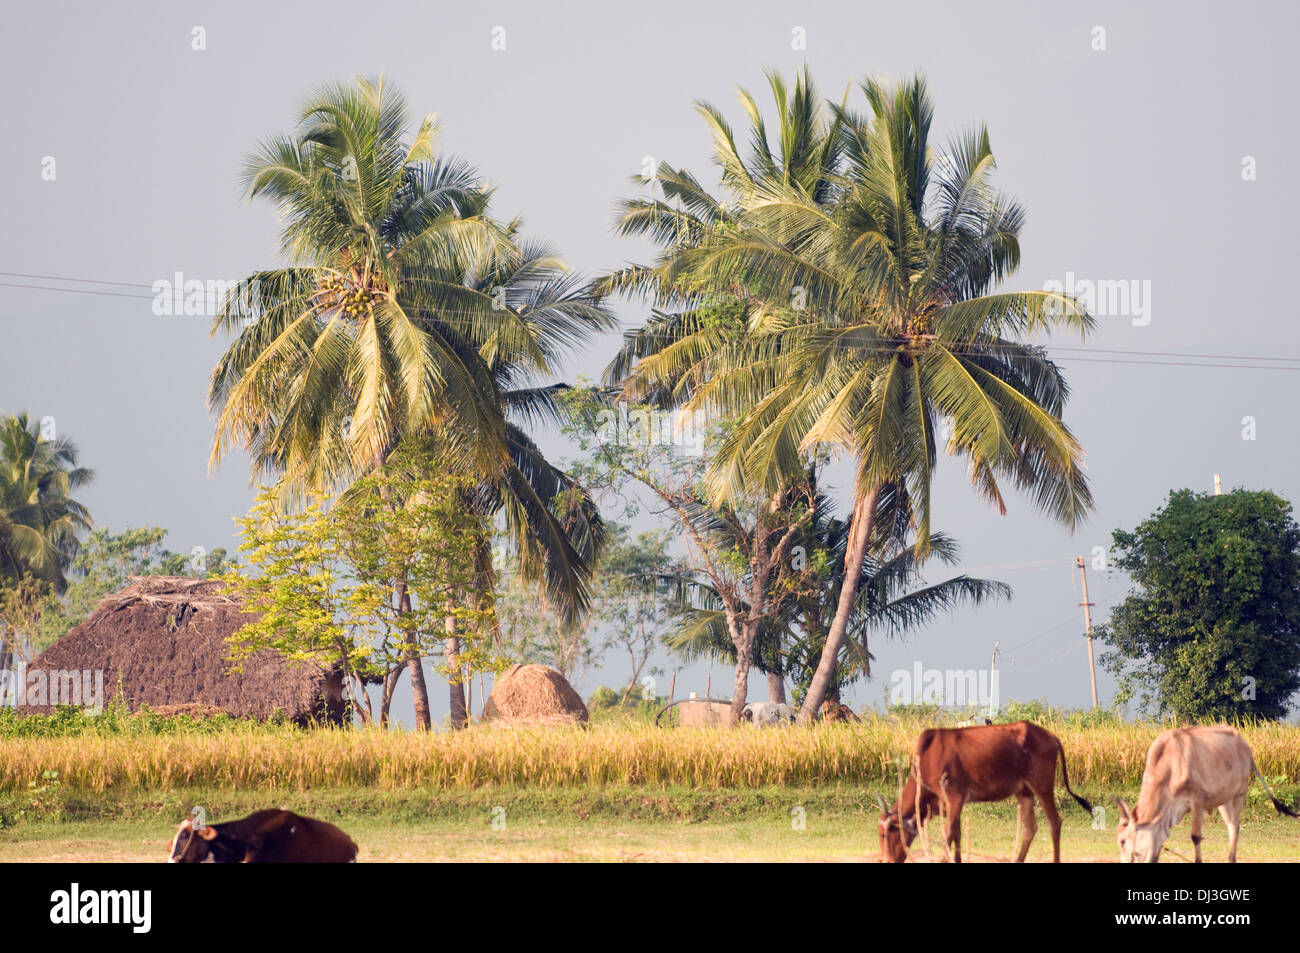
pixel 533 694
pixel 161 642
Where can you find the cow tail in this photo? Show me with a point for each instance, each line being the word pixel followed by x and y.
pixel 1281 808
pixel 1065 778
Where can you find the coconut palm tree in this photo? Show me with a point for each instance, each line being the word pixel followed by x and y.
pixel 664 360
pixel 39 519
pixel 405 309
pixel 367 333
pixel 872 315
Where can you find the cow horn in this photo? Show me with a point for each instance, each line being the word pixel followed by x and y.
pixel 1124 811
pixel 884 808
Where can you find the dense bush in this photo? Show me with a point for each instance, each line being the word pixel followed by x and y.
pixel 71 721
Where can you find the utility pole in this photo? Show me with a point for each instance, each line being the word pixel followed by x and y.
pixel 993 699
pixel 1087 627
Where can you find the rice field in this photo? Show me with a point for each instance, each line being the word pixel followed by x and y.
pixel 872 753
pixel 611 792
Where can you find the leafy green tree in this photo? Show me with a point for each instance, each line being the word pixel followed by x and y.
pixel 634 603
pixel 369 584
pixel 893 600
pixel 871 318
pixel 24 603
pixel 631 605
pixel 634 701
pixel 411 536
pixel 740 550
pixel 1212 629
pixel 203 565
pixel 289 578
pixel 534 631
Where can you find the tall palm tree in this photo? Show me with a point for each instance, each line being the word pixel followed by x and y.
pixel 370 330
pixel 39 519
pixel 665 359
pixel 405 309
pixel 871 314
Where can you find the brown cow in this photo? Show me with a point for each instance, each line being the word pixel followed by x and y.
pixel 833 711
pixel 972 765
pixel 264 837
pixel 1189 770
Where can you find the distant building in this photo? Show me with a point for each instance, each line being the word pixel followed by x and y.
pixel 161 642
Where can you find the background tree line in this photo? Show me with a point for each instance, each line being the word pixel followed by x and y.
pixel 839 299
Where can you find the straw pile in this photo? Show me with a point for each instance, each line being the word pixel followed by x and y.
pixel 533 694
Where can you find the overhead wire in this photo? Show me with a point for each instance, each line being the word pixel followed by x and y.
pixel 1057 352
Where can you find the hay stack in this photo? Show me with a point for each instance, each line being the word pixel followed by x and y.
pixel 533 694
pixel 161 642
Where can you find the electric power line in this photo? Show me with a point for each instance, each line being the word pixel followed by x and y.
pixel 1060 352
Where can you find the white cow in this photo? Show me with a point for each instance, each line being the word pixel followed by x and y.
pixel 767 713
pixel 1189 770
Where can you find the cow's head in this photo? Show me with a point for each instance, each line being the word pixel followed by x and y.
pixel 191 845
pixel 1139 843
pixel 896 833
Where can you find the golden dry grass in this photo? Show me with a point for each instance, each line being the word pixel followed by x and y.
pixel 871 752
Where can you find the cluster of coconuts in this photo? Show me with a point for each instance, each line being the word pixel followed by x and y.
pixel 353 300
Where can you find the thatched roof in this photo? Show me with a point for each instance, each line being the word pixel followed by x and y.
pixel 161 642
pixel 533 694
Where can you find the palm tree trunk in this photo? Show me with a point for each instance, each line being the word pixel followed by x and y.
pixel 864 515
pixel 776 688
pixel 459 710
pixel 419 689
pixel 744 640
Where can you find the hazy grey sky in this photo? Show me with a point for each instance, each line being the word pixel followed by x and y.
pixel 1129 160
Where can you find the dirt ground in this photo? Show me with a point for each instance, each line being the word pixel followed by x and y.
pixel 499 838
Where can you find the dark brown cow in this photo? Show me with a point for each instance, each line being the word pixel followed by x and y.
pixel 264 837
pixel 970 765
pixel 834 711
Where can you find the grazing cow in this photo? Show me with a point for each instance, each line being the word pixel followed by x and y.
pixel 1189 770
pixel 833 711
pixel 264 837
pixel 767 713
pixel 968 765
